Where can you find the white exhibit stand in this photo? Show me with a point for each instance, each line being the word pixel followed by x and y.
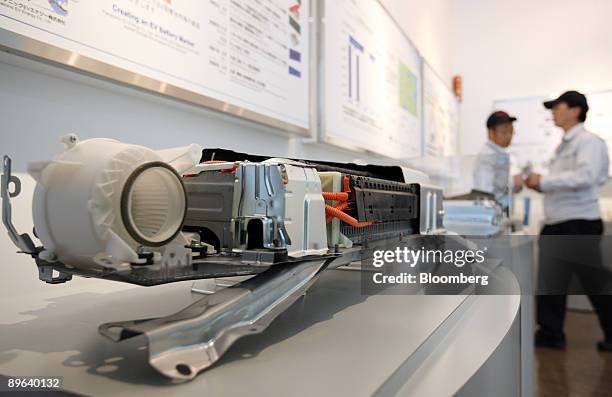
pixel 333 341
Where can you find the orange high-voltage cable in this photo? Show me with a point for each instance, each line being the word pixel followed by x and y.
pixel 343 216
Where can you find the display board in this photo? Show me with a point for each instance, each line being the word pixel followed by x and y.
pixel 599 120
pixel 372 81
pixel 248 58
pixel 440 116
pixel 536 137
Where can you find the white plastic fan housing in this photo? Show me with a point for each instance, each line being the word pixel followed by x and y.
pixel 100 199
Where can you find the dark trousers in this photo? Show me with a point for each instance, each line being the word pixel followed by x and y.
pixel 568 249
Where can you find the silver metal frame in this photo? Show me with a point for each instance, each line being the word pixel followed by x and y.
pixel 24 46
pixel 422 120
pixel 185 343
pixel 314 72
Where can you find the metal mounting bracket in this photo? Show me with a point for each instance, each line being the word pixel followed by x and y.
pixel 187 342
pixel 23 241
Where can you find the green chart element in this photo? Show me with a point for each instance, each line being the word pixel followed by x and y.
pixel 407 89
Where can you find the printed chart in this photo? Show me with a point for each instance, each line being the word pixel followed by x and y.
pixel 440 116
pixel 251 54
pixel 372 89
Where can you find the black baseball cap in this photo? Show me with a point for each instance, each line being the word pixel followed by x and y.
pixel 572 98
pixel 499 117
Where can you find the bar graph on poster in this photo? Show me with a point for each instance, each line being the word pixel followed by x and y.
pixel 249 54
pixel 372 89
pixel 440 116
pixel 536 137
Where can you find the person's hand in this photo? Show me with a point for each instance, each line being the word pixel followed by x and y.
pixel 517 183
pixel 533 181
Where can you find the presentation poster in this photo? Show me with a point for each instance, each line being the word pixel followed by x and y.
pixel 248 53
pixel 536 136
pixel 599 120
pixel 372 90
pixel 440 116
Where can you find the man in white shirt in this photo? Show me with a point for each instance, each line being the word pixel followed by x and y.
pixel 570 239
pixel 492 170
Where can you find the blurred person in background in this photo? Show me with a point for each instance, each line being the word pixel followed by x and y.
pixel 492 171
pixel 571 207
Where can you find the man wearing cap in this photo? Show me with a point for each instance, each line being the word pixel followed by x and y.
pixel 571 208
pixel 492 171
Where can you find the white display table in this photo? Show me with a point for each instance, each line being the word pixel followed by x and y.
pixel 332 342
